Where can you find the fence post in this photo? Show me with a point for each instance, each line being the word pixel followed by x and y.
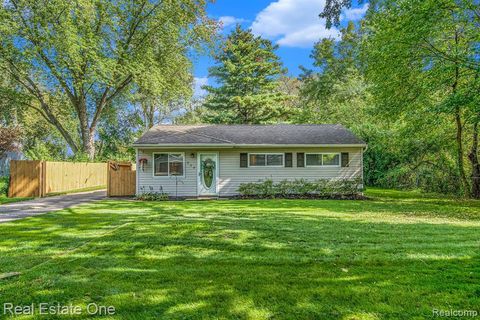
pixel 13 167
pixel 108 179
pixel 43 179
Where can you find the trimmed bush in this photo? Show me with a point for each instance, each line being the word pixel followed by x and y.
pixel 152 196
pixel 302 188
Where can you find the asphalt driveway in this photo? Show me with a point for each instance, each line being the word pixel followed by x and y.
pixel 29 208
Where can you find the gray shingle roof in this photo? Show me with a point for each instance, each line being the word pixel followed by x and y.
pixel 281 134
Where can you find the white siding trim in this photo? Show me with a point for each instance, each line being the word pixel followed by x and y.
pixel 136 171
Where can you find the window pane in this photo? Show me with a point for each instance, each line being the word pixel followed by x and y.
pixel 257 159
pixel 175 157
pixel 161 164
pixel 314 159
pixel 176 168
pixel 331 159
pixel 274 160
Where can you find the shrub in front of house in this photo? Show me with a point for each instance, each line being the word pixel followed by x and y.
pixel 152 196
pixel 302 188
pixel 4 185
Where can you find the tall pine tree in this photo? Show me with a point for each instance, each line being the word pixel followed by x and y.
pixel 246 71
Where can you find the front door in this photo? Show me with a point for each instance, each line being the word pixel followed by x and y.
pixel 207 174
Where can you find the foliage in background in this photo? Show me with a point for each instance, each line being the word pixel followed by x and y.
pixel 406 80
pixel 336 90
pixel 422 64
pixel 384 81
pixel 88 53
pixel 193 112
pixel 9 139
pixel 117 132
pixel 246 70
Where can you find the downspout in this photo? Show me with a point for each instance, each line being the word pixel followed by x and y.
pixel 136 171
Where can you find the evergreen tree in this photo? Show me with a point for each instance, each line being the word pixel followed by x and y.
pixel 247 71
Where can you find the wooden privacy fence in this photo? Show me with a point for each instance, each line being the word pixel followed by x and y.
pixel 26 178
pixel 35 178
pixel 65 176
pixel 121 179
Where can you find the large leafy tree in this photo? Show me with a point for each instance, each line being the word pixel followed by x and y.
pixel 89 52
pixel 401 153
pixel 422 58
pixel 246 71
pixel 335 91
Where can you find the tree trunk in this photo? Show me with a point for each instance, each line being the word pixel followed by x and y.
pixel 473 157
pixel 461 169
pixel 458 122
pixel 148 110
pixel 151 115
pixel 87 132
pixel 50 117
pixel 89 143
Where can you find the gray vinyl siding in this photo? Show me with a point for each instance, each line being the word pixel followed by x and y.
pixel 187 185
pixel 231 175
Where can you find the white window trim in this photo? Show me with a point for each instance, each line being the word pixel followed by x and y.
pixel 168 175
pixel 324 165
pixel 267 166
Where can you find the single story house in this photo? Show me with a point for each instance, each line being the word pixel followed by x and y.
pixel 213 160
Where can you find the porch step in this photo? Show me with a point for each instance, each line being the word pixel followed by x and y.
pixel 204 198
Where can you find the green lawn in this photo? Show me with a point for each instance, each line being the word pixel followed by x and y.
pixel 4 199
pixel 397 256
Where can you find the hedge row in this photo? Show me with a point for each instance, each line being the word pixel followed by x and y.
pixel 302 188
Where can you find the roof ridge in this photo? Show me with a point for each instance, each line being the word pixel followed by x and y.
pixel 205 135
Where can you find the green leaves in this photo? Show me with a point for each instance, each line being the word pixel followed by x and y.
pixel 247 71
pixel 94 51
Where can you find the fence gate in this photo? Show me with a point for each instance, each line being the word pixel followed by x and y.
pixel 26 178
pixel 121 179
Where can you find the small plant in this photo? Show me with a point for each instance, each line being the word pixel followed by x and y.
pixel 152 195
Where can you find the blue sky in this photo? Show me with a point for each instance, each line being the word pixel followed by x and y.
pixel 292 24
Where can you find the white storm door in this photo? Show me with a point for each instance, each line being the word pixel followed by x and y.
pixel 207 169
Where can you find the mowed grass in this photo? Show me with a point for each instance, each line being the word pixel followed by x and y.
pixel 397 256
pixel 4 199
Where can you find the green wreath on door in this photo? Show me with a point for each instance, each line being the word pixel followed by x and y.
pixel 208 168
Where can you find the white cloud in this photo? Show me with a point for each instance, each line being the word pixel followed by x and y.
pixel 197 86
pixel 227 21
pixel 355 13
pixel 293 23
